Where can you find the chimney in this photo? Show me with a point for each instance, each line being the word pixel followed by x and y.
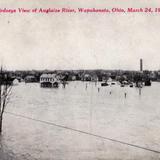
pixel 141 65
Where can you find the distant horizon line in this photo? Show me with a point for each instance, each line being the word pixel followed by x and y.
pixel 80 70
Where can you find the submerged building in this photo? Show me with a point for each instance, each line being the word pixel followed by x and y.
pixel 30 79
pixel 49 80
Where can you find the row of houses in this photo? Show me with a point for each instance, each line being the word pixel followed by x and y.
pixel 84 76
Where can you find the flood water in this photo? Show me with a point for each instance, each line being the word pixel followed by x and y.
pixel 81 122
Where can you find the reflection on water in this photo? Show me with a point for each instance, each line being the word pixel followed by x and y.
pixel 123 113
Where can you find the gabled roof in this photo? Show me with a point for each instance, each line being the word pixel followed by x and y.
pixel 48 76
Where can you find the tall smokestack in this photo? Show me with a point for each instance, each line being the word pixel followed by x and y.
pixel 141 65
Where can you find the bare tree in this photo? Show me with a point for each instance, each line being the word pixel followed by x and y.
pixel 5 90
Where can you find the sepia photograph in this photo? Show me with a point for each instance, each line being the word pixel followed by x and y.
pixel 79 80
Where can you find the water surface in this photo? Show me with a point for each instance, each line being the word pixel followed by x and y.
pixel 107 113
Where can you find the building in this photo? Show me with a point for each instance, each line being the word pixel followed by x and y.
pixel 86 77
pixel 30 79
pixel 49 80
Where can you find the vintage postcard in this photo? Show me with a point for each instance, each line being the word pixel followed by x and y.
pixel 79 80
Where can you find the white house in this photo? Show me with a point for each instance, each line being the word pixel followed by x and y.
pixel 49 80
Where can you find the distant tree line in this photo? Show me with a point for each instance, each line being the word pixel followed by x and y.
pixel 69 75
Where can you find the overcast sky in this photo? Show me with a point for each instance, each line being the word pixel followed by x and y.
pixel 79 41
